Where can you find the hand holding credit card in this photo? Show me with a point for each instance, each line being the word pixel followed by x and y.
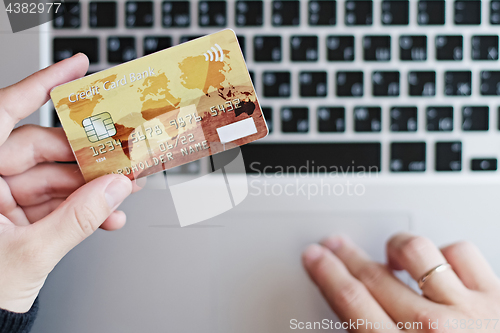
pixel 163 110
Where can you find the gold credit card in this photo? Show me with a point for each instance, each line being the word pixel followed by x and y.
pixel 162 110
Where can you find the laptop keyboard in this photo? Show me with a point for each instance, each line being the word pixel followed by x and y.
pixel 399 86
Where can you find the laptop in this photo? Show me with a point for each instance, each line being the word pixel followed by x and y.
pixel 383 117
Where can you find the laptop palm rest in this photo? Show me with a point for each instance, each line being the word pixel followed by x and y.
pixel 234 273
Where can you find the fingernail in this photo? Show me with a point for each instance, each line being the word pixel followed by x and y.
pixel 312 254
pixel 117 191
pixel 333 243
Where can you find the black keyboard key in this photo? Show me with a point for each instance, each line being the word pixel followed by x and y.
pixel 156 43
pixel 294 119
pixel 56 122
pixel 367 119
pixel 484 47
pixel 449 48
pixel 385 83
pixel 407 157
pixel 475 118
pixel 439 118
pixel 483 164
pixel 241 41
pixel 68 16
pixel 467 12
pixel 176 14
pixel 395 12
pixel 377 48
pixel 249 13
pixel 358 12
pixel 286 13
pixel 313 84
pixel 139 14
pixel 340 48
pixel 349 84
pixel 322 12
pixel 102 14
pixel 448 156
pixel 331 119
pixel 187 38
pixel 457 83
pixel 121 49
pixel 267 48
pixel 212 13
pixel 268 116
pixel 422 83
pixel 65 47
pixel 490 83
pixel 413 48
pixel 495 12
pixel 276 84
pixel 330 157
pixel 304 48
pixel 431 12
pixel 404 119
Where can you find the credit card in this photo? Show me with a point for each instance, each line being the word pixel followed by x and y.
pixel 163 110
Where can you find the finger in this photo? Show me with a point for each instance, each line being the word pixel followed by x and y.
pixel 418 255
pixel 115 221
pixel 347 296
pixel 45 182
pixel 82 213
pixel 23 98
pixel 9 207
pixel 30 145
pixel 397 299
pixel 470 266
pixel 37 212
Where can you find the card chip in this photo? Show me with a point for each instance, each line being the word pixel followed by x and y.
pixel 99 127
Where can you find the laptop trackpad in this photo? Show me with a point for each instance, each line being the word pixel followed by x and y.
pixel 259 284
pixel 237 272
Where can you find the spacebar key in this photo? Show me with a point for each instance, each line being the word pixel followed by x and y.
pixel 312 157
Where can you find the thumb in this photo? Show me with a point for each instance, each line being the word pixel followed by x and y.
pixel 83 212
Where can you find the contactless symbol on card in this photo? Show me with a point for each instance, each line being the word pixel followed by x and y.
pixel 219 54
pixel 99 127
pixel 163 110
